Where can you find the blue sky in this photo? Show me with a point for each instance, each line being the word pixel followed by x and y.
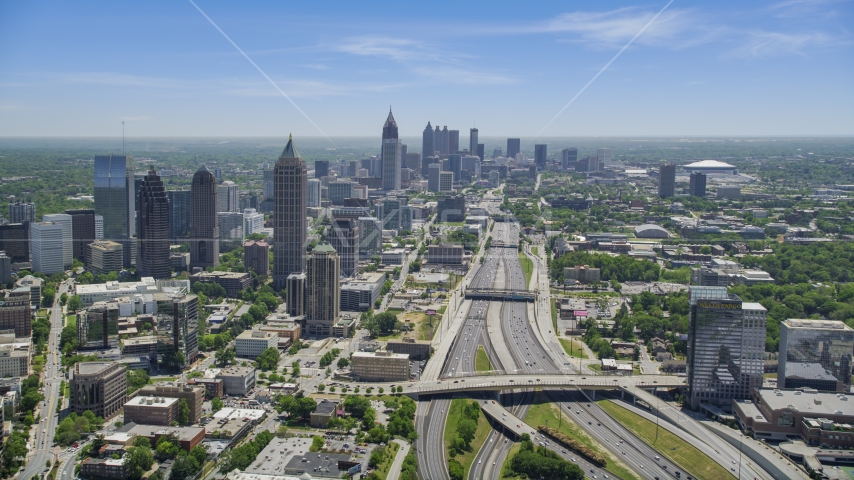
pixel 701 68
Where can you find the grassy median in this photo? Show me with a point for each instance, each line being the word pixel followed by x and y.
pixel 483 429
pixel 683 454
pixel 527 267
pixel 572 347
pixel 481 361
pixel 544 412
pixel 390 452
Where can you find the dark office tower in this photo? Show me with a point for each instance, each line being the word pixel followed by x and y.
pixel 479 151
pixel 390 155
pixel 568 158
pixel 115 200
pixel 82 231
pixel 20 212
pixel 289 215
pixel 540 154
pixel 404 149
pixel 180 213
pixel 440 140
pixel 321 168
pixel 15 241
pixel 455 164
pixel 697 187
pixel 427 142
pixel 513 147
pixel 666 180
pixel 152 229
pixel 425 165
pixel 204 231
pixel 344 237
pixel 473 142
pixel 453 141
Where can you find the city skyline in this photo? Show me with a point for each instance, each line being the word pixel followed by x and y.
pixel 695 70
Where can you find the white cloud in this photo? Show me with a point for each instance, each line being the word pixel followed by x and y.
pixel 450 74
pixel 113 79
pixel 771 44
pixel 400 49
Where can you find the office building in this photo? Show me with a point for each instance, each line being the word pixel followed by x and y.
pixel 232 282
pixel 16 312
pixel 451 209
pixel 433 172
pixel 34 285
pixel 22 212
pixel 425 165
pixel 514 146
pixel 697 185
pixel 98 326
pixel 729 191
pixel 295 294
pixel 666 180
pixel 152 229
pixel 251 343
pixel 193 395
pixel 253 222
pixel 338 191
pixel 413 161
pixel 383 366
pixel 581 274
pixel 5 267
pixel 427 149
pixel 237 381
pixel 180 213
pixel 99 387
pixel 151 410
pixel 313 198
pixel 227 197
pixel 268 184
pixel 446 181
pixel 257 256
pixel 204 231
pixel 815 354
pixel 99 227
pixel 540 156
pixel 230 230
pixel 603 158
pixel 455 165
pixel 370 236
pixel 453 141
pixel 415 349
pixel 289 215
pixel 82 231
pixel 568 158
pixel 494 178
pixel 321 168
pixel 13 361
pixel 445 254
pixel 395 214
pixel 360 293
pixel 67 235
pixel 322 290
pixel 15 241
pixel 440 141
pixel 344 237
pixel 48 244
pixel 115 199
pixel 178 328
pixel 726 347
pixel 473 143
pixel 390 155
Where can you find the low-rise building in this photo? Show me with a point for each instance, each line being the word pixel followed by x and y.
pixel 194 395
pixel 383 366
pixel 251 343
pixel 394 256
pixel 445 254
pixel 232 282
pixel 103 468
pixel 416 349
pixel 151 410
pixel 325 410
pixel 13 361
pixel 188 437
pixel 213 386
pixel 104 256
pixel 581 273
pixel 237 381
pixel 288 330
pixel 360 293
pixel 16 312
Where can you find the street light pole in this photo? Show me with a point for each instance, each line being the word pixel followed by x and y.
pixel 740 441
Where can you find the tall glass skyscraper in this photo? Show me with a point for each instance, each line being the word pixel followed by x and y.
pixel 289 215
pixel 152 225
pixel 204 231
pixel 180 213
pixel 114 199
pixel 726 347
pixel 815 354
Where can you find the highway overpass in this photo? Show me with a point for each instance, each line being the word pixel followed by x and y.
pixel 500 295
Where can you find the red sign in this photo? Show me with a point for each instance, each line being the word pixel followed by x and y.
pixel 580 313
pixel 431 312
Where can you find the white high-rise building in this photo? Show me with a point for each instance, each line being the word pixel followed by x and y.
pixel 313 197
pixel 48 247
pixel 67 235
pixel 253 221
pixel 227 197
pixel 99 227
pixel 433 171
pixel 603 156
pixel 390 155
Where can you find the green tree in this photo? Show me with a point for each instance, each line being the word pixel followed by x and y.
pixel 317 444
pixel 269 359
pixel 224 356
pixel 74 303
pixel 185 466
pixel 466 429
pixel 183 412
pixel 216 404
pixel 456 470
pixel 138 461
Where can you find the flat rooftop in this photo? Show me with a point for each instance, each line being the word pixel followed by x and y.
pixel 183 433
pixel 381 355
pixel 809 401
pixel 152 402
pixel 92 368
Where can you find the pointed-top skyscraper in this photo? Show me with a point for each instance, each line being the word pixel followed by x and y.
pixel 390 155
pixel 290 187
pixel 204 231
pixel 427 142
pixel 152 228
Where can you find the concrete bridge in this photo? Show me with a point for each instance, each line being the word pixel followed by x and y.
pixel 500 295
pixel 504 245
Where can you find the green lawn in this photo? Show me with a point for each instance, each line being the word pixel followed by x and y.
pixel 483 429
pixel 152 380
pixel 535 251
pixel 481 361
pixel 554 316
pixel 677 450
pixel 572 348
pixel 390 452
pixel 71 321
pixel 527 267
pixel 543 412
pixel 770 375
pixel 596 367
pixel 451 224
